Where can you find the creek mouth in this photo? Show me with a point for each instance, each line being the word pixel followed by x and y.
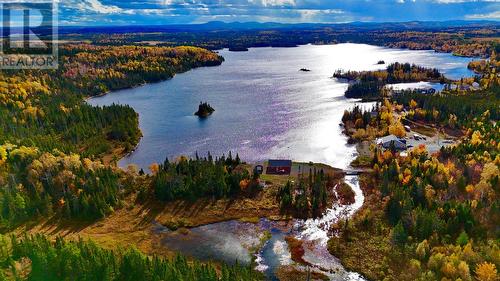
pixel 265 109
pixel 243 242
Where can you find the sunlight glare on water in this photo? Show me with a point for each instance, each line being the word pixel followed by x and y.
pixel 265 107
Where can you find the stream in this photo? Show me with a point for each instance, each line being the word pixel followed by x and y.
pixel 264 108
pixel 234 240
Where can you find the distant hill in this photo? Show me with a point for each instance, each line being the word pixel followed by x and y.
pixel 221 26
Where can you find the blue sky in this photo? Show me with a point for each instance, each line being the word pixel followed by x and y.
pixel 135 12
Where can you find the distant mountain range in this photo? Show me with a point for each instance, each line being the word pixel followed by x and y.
pixel 221 26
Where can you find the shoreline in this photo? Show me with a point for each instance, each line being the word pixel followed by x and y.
pixel 121 156
pixel 347 42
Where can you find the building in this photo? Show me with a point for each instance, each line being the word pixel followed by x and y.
pixel 392 142
pixel 279 167
pixel 424 90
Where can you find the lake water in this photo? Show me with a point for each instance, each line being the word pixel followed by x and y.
pixel 265 107
pixel 232 241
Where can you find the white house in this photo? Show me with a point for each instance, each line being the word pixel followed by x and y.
pixel 392 142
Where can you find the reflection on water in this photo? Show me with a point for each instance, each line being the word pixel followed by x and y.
pixel 233 241
pixel 227 241
pixel 274 254
pixel 265 107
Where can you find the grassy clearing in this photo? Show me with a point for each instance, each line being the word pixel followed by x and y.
pixel 133 224
pixel 424 130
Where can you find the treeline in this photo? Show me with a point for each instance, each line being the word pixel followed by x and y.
pixel 472 41
pixel 360 124
pixel 45 108
pixel 38 258
pixel 453 199
pixel 394 73
pixel 369 84
pixel 487 70
pixel 94 70
pixel 450 109
pixel 36 184
pixel 433 217
pixel 190 179
pixel 63 122
pixel 50 139
pixel 308 197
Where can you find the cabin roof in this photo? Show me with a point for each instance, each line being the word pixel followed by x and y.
pixel 280 163
pixel 388 138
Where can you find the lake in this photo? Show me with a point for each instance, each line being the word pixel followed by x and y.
pixel 265 107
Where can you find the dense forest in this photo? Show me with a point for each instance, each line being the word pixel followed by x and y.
pixel 449 109
pixel 431 217
pixel 308 197
pixel 95 70
pixel 190 179
pixel 36 183
pixel 46 260
pixel 438 214
pixel 464 40
pixel 51 141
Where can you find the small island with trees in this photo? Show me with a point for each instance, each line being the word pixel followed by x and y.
pixel 204 110
pixel 369 85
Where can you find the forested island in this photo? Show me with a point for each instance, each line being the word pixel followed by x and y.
pixel 370 84
pixel 204 110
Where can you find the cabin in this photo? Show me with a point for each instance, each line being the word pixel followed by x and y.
pixel 424 91
pixel 279 167
pixel 392 142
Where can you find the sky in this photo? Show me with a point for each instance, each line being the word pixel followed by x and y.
pixel 154 12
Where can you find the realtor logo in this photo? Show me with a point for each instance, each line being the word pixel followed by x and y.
pixel 28 34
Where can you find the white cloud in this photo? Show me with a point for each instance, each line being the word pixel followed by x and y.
pixel 162 11
pixel 489 16
pixel 97 7
pixel 272 3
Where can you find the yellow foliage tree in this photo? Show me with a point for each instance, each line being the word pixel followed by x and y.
pixel 486 272
pixel 397 129
pixel 413 104
pixel 154 168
